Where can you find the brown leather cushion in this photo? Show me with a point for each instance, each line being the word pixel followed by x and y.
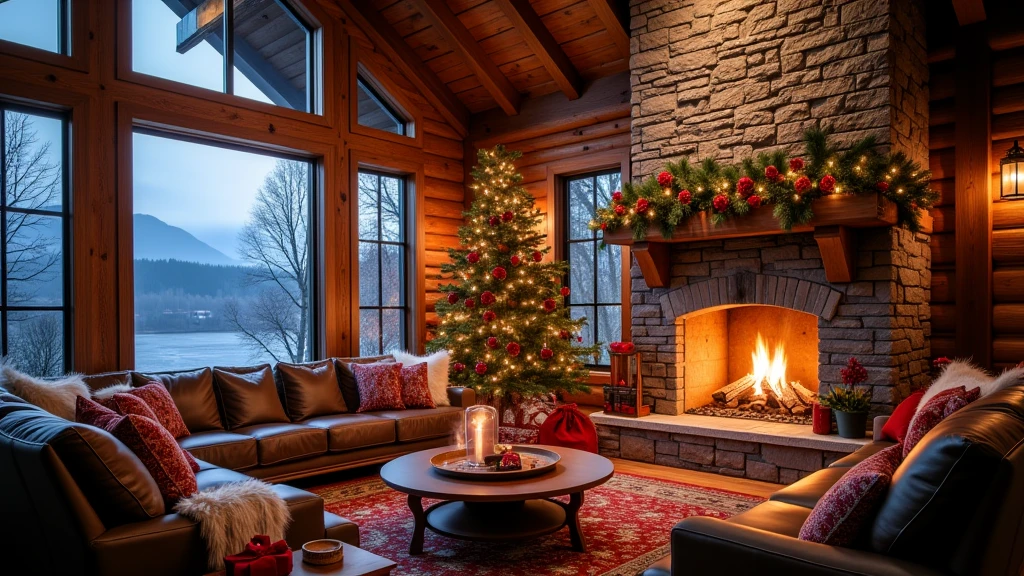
pixel 351 431
pixel 309 390
pixel 226 449
pixel 248 395
pixel 213 477
pixel 338 528
pixel 281 442
pixel 347 379
pixel 107 379
pixel 862 453
pixel 807 491
pixel 112 478
pixel 192 391
pixel 778 517
pixel 662 567
pixel 423 423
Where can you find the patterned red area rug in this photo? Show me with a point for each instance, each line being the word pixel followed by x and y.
pixel 626 522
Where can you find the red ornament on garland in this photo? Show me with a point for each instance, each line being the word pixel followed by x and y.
pixel 563 334
pixel 604 225
pixel 494 220
pixel 620 209
pixel 754 201
pixel 512 349
pixel 458 367
pixel 515 260
pixel 550 305
pixel 507 216
pixel 882 186
pixel 641 205
pixel 453 297
pixel 473 257
pixel 546 353
pixel 685 197
pixel 537 256
pixel 487 298
pixel 617 196
pixel 470 303
pixel 665 179
pixel 796 164
pixel 802 184
pixel 771 173
pixel 721 202
pixel 492 342
pixel 827 184
pixel 744 187
pixel 481 368
pixel 489 316
pixel 564 291
pixel 499 273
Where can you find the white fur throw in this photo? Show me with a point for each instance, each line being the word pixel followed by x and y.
pixel 229 516
pixel 962 373
pixel 108 392
pixel 437 373
pixel 55 396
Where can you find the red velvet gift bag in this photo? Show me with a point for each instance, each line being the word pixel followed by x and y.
pixel 570 428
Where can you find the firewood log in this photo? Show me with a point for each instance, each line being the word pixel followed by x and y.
pixel 734 391
pixel 805 395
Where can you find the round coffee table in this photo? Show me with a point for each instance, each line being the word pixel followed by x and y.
pixel 488 511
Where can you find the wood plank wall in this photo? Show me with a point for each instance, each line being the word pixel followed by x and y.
pixel 1007 109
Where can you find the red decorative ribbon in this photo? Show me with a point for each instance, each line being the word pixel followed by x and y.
pixel 260 558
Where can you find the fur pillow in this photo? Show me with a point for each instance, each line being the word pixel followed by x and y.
pixel 104 394
pixel 55 396
pixel 437 373
pixel 962 373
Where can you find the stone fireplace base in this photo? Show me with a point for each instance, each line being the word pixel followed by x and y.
pixel 758 450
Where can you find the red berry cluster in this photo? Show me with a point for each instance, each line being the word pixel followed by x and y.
pixel 854 373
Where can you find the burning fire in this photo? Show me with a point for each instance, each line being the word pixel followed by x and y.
pixel 769 369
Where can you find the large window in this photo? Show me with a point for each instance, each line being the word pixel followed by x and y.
pixel 382 263
pixel 271 59
pixel 376 112
pixel 595 274
pixel 223 255
pixel 35 223
pixel 40 24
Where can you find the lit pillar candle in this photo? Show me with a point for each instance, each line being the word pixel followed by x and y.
pixel 478 443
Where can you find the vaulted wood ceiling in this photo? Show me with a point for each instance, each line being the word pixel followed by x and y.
pixel 495 53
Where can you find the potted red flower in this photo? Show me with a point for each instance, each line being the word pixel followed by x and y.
pixel 850 404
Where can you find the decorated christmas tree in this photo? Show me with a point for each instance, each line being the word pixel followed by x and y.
pixel 504 319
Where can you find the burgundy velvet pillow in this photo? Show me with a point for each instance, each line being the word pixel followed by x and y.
pixel 896 426
pixel 936 410
pixel 159 453
pixel 415 389
pixel 847 509
pixel 92 413
pixel 380 386
pixel 125 404
pixel 160 401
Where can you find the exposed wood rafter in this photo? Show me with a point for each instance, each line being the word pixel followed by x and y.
pixel 492 79
pixel 969 11
pixel 611 22
pixel 384 37
pixel 206 18
pixel 544 46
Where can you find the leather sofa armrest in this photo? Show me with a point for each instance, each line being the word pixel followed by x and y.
pixel 167 545
pixel 876 427
pixel 461 397
pixel 702 545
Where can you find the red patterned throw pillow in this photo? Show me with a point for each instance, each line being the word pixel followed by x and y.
pixel 92 413
pixel 159 453
pixel 160 403
pixel 380 386
pixel 125 404
pixel 936 410
pixel 415 389
pixel 849 506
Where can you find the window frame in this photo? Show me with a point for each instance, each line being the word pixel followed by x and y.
pixel 65 214
pixel 384 104
pixel 74 39
pixel 361 68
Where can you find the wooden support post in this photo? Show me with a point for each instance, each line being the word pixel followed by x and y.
pixel 973 107
pixel 836 244
pixel 654 261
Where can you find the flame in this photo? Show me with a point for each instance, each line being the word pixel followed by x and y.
pixel 768 369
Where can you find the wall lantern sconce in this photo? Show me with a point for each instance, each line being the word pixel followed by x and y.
pixel 1011 174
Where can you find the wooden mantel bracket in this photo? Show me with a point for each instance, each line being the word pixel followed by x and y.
pixel 836 244
pixel 654 261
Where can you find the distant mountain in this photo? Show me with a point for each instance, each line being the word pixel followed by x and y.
pixel 158 240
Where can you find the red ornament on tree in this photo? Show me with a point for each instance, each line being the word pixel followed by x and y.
pixel 511 303
pixel 802 184
pixel 617 196
pixel 796 164
pixel 470 303
pixel 882 186
pixel 458 367
pixel 481 368
pixel 487 298
pixel 507 216
pixel 564 291
pixel 473 257
pixel 665 179
pixel 499 273
pixel 489 316
pixel 827 184
pixel 453 297
pixel 754 201
pixel 721 202
pixel 502 248
pixel 563 334
pixel 550 305
pixel 546 353
pixel 537 256
pixel 620 209
pixel 515 260
pixel 512 349
pixel 492 342
pixel 685 197
pixel 771 173
pixel 641 205
pixel 494 220
pixel 744 187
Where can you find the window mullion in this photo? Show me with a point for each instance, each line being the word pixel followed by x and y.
pixel 3 230
pixel 229 46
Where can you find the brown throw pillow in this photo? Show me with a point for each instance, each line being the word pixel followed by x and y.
pixel 193 395
pixel 309 390
pixel 248 395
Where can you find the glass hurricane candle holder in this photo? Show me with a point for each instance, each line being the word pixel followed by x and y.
pixel 481 433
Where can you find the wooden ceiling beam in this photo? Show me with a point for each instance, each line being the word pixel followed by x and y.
pixel 969 11
pixel 606 13
pixel 525 19
pixel 492 79
pixel 384 37
pixel 207 18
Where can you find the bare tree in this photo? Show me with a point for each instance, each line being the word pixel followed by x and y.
pixel 37 344
pixel 275 242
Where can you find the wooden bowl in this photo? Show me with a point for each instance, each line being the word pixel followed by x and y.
pixel 323 552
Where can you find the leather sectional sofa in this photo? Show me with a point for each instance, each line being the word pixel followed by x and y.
pixel 77 501
pixel 955 506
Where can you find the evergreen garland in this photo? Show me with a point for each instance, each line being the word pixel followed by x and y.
pixel 788 185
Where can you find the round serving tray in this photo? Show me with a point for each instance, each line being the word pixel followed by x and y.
pixel 447 464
